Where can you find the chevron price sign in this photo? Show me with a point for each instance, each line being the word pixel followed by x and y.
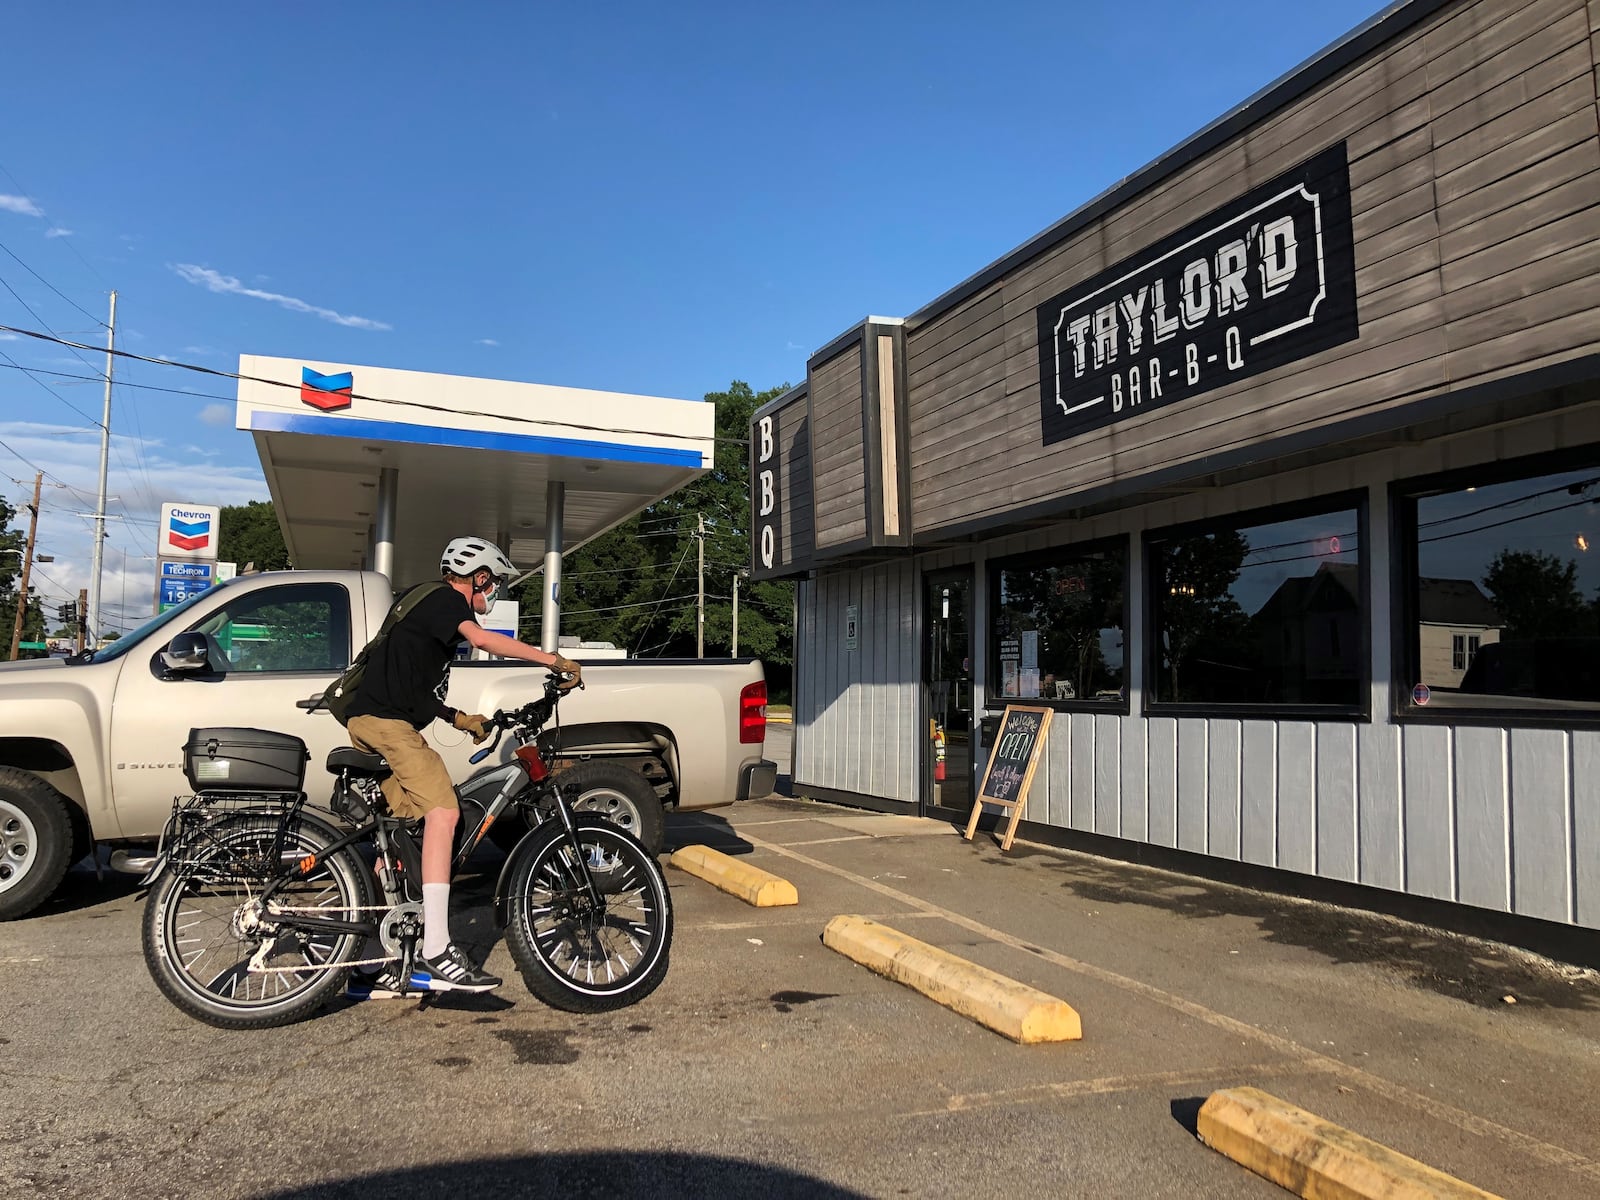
pixel 189 531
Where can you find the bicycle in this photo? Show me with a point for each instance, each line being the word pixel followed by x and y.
pixel 259 908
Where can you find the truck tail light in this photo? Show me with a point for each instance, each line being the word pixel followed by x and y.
pixel 753 713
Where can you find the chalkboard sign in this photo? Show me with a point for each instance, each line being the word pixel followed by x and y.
pixel 1012 759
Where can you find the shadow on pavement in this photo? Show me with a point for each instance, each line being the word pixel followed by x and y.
pixel 1186 1112
pixel 602 1173
pixel 702 829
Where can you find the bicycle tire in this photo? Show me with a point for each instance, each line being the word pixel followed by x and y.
pixel 193 913
pixel 575 957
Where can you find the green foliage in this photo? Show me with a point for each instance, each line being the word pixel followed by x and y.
pixel 10 579
pixel 1537 594
pixel 1196 600
pixel 249 534
pixel 635 586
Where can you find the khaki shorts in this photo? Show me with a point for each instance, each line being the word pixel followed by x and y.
pixel 420 782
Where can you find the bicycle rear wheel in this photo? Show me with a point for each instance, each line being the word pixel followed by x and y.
pixel 219 956
pixel 577 955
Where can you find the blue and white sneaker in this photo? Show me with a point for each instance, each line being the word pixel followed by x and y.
pixel 451 971
pixel 381 985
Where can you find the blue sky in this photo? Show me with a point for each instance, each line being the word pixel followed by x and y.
pixel 640 198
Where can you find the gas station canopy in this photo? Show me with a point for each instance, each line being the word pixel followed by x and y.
pixel 376 468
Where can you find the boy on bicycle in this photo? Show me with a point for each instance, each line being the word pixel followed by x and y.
pixel 400 694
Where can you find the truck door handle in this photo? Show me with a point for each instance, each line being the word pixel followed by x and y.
pixel 310 702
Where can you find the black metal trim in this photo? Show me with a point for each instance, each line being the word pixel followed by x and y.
pixel 853 799
pixel 1031 558
pixel 1447 405
pixel 1361 712
pixel 1576 944
pixel 924 765
pixel 1406 649
pixel 1298 82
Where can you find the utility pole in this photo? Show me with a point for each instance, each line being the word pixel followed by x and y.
pixel 700 623
pixel 92 614
pixel 734 650
pixel 83 618
pixel 27 568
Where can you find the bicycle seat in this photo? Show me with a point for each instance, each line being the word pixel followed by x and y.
pixel 361 762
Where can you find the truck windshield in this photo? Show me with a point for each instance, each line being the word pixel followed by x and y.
pixel 134 636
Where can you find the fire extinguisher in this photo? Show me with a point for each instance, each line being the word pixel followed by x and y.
pixel 938 753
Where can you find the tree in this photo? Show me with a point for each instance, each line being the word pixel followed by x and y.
pixel 249 534
pixel 635 586
pixel 13 544
pixel 1195 592
pixel 1537 594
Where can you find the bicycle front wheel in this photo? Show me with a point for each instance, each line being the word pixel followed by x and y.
pixel 223 957
pixel 575 954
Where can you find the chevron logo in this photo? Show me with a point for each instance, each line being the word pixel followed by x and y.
pixel 327 392
pixel 189 535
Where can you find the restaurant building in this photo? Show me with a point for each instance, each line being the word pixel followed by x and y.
pixel 1274 471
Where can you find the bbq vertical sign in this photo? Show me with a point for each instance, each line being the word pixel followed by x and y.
pixel 764 496
pixel 1255 284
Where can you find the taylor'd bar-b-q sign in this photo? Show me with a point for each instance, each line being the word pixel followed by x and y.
pixel 1259 282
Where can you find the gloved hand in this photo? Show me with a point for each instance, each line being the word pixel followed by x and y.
pixel 474 723
pixel 567 667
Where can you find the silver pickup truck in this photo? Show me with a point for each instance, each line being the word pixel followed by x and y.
pixel 91 749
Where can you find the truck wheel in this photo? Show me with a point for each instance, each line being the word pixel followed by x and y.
pixel 36 842
pixel 620 795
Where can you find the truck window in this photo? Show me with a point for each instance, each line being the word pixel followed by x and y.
pixel 294 627
pixel 173 617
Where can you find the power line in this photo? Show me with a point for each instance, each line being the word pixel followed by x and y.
pixel 279 383
pixel 24 191
pixel 54 336
pixel 52 287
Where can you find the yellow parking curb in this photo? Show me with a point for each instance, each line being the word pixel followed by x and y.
pixel 1017 1011
pixel 1311 1157
pixel 751 884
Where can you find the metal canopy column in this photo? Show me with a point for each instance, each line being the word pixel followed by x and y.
pixel 383 531
pixel 555 503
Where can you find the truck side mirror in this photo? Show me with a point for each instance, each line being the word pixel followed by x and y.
pixel 187 652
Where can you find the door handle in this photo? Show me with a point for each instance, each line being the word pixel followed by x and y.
pixel 310 702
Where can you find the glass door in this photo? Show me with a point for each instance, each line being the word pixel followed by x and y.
pixel 947 692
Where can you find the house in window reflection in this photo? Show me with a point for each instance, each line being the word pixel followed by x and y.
pixel 1454 620
pixel 1312 626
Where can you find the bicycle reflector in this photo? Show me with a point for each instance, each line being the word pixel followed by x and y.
pixel 753 713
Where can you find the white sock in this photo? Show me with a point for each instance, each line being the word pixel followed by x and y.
pixel 435 918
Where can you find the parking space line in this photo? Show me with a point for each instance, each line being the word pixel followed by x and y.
pixel 788 919
pixel 1069 1089
pixel 1460 1118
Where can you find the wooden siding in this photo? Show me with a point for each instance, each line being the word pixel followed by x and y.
pixel 1475 176
pixel 838 450
pixel 794 483
pixel 1499 818
pixel 856 710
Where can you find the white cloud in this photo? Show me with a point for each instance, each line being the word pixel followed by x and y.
pixel 143 474
pixel 20 205
pixel 215 281
pixel 486 342
pixel 57 231
pixel 219 415
pixel 10 337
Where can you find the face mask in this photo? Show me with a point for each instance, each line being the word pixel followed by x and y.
pixel 489 590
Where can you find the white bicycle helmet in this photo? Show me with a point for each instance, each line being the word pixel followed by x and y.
pixel 464 555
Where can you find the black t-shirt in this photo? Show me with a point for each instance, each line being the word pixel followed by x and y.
pixel 407 678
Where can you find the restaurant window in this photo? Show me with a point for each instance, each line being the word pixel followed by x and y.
pixel 1501 602
pixel 1258 611
pixel 1056 627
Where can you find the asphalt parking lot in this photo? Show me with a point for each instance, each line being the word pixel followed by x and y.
pixel 767 1062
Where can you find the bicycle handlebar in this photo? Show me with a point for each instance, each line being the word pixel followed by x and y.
pixel 528 714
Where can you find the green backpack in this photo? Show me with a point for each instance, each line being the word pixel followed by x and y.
pixel 336 699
